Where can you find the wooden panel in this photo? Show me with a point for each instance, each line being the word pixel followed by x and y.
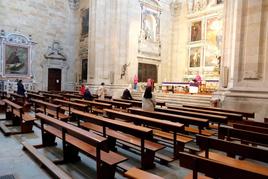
pixel 54 79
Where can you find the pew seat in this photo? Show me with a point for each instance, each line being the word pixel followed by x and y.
pixel 246 165
pixel 135 173
pixel 53 113
pixel 197 131
pixel 110 158
pixel 123 137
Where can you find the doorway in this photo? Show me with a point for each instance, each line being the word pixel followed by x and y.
pixel 54 79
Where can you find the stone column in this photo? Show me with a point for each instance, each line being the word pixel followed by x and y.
pixel 245 44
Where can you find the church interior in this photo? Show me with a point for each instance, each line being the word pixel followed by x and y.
pixel 204 62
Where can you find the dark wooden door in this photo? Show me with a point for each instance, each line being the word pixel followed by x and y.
pixel 54 79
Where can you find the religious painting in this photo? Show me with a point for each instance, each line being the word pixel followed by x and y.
pixel 214 32
pixel 195 56
pixel 16 60
pixel 211 57
pixel 196 31
pixel 85 21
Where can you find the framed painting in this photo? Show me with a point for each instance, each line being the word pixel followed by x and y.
pixel 211 56
pixel 16 60
pixel 214 32
pixel 195 55
pixel 196 31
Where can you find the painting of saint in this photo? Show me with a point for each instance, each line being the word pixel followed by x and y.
pixel 16 60
pixel 195 56
pixel 196 31
pixel 214 32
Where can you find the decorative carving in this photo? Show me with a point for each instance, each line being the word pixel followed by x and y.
pixel 149 41
pixel 74 4
pixel 55 52
pixel 195 6
pixel 251 75
pixel 175 7
pixel 124 70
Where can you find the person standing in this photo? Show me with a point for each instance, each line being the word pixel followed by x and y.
pixel 20 90
pixel 148 100
pixel 102 91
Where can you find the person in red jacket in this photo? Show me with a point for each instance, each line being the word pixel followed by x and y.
pixel 82 89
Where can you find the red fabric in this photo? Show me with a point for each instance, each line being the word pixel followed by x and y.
pixel 82 90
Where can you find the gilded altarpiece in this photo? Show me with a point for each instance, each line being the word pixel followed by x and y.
pixel 205 38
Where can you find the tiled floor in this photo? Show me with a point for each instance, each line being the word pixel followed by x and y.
pixel 13 160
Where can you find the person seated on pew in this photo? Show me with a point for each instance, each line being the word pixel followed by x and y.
pixel 87 94
pixel 126 93
pixel 82 89
pixel 148 100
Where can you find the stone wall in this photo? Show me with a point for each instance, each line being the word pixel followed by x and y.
pixel 46 21
pixel 245 86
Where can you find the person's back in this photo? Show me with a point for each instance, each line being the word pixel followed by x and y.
pixel 126 94
pixel 87 95
pixel 20 90
pixel 148 100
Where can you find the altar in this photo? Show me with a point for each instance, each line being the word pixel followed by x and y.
pixel 206 87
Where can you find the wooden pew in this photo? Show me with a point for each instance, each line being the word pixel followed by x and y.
pixel 263 130
pixel 254 123
pixel 95 107
pixel 49 109
pixel 138 103
pixel 243 113
pixel 178 140
pixel 135 103
pixel 231 149
pixel 71 92
pixel 134 135
pixel 3 94
pixel 35 96
pixel 74 140
pixel 53 169
pixel 116 104
pixel 222 169
pixel 50 97
pixel 201 123
pixel 243 135
pixel 135 173
pixel 231 116
pixel 20 100
pixel 71 105
pixel 18 117
pixel 69 96
pixel 211 117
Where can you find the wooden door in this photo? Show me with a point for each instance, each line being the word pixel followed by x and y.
pixel 54 79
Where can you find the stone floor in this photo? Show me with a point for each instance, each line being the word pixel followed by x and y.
pixel 13 160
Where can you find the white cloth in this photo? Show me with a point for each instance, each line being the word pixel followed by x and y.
pixel 101 92
pixel 148 104
pixel 193 89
